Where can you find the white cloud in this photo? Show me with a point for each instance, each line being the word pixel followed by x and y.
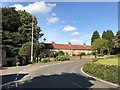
pixel 53 14
pixel 69 28
pixel 75 33
pixel 52 20
pixel 37 7
pixel 76 41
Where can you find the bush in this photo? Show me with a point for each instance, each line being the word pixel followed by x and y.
pixel 106 72
pixel 82 54
pixel 62 58
pixel 59 53
pixel 100 55
pixel 44 60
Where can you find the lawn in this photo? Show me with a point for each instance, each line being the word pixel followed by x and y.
pixel 109 61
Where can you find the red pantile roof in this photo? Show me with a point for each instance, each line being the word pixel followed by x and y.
pixel 67 46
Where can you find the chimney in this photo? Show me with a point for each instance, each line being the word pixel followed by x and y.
pixel 84 44
pixel 53 43
pixel 69 43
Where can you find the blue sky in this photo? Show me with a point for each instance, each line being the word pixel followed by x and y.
pixel 62 22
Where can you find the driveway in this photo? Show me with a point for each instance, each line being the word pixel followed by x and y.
pixel 63 75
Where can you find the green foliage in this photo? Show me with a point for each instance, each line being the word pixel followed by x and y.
pixel 108 35
pixel 25 28
pixel 25 50
pixel 95 36
pixel 81 54
pixel 100 55
pixel 106 72
pixel 10 25
pixel 10 19
pixel 62 58
pixel 17 28
pixel 44 60
pixel 100 45
pixel 59 53
pixel 117 40
pixel 94 59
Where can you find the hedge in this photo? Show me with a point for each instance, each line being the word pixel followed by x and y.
pixel 106 72
pixel 62 58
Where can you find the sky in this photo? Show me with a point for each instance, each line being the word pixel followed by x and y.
pixel 75 22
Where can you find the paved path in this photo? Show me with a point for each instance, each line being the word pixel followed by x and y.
pixel 64 75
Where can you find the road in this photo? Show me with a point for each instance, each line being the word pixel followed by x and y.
pixel 64 75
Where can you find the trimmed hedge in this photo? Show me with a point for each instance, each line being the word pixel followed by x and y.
pixel 106 72
pixel 62 58
pixel 100 55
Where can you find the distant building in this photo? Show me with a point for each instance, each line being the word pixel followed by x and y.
pixel 68 49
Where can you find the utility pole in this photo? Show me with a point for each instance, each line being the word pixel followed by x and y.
pixel 32 41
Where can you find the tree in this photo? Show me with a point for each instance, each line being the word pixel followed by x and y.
pixel 100 45
pixel 38 50
pixel 104 34
pixel 108 35
pixel 117 41
pixel 10 25
pixel 25 51
pixel 10 19
pixel 95 36
pixel 26 27
pixel 17 28
pixel 81 54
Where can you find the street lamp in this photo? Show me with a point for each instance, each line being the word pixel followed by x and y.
pixel 44 40
pixel 44 45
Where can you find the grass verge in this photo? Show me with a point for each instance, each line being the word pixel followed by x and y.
pixel 107 69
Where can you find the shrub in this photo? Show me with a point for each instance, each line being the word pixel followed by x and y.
pixel 62 58
pixel 100 55
pixel 59 53
pixel 82 54
pixel 44 60
pixel 106 72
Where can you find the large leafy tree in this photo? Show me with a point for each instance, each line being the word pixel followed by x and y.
pixel 100 45
pixel 108 35
pixel 17 28
pixel 25 30
pixel 117 41
pixel 95 36
pixel 10 25
pixel 26 27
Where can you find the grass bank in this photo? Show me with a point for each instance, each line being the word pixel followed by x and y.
pixel 107 69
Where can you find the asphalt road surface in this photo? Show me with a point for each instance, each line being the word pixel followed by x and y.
pixel 65 75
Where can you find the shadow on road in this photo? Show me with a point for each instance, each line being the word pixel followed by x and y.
pixel 64 80
pixel 2 68
pixel 11 77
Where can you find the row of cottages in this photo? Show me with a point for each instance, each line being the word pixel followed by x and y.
pixel 68 49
